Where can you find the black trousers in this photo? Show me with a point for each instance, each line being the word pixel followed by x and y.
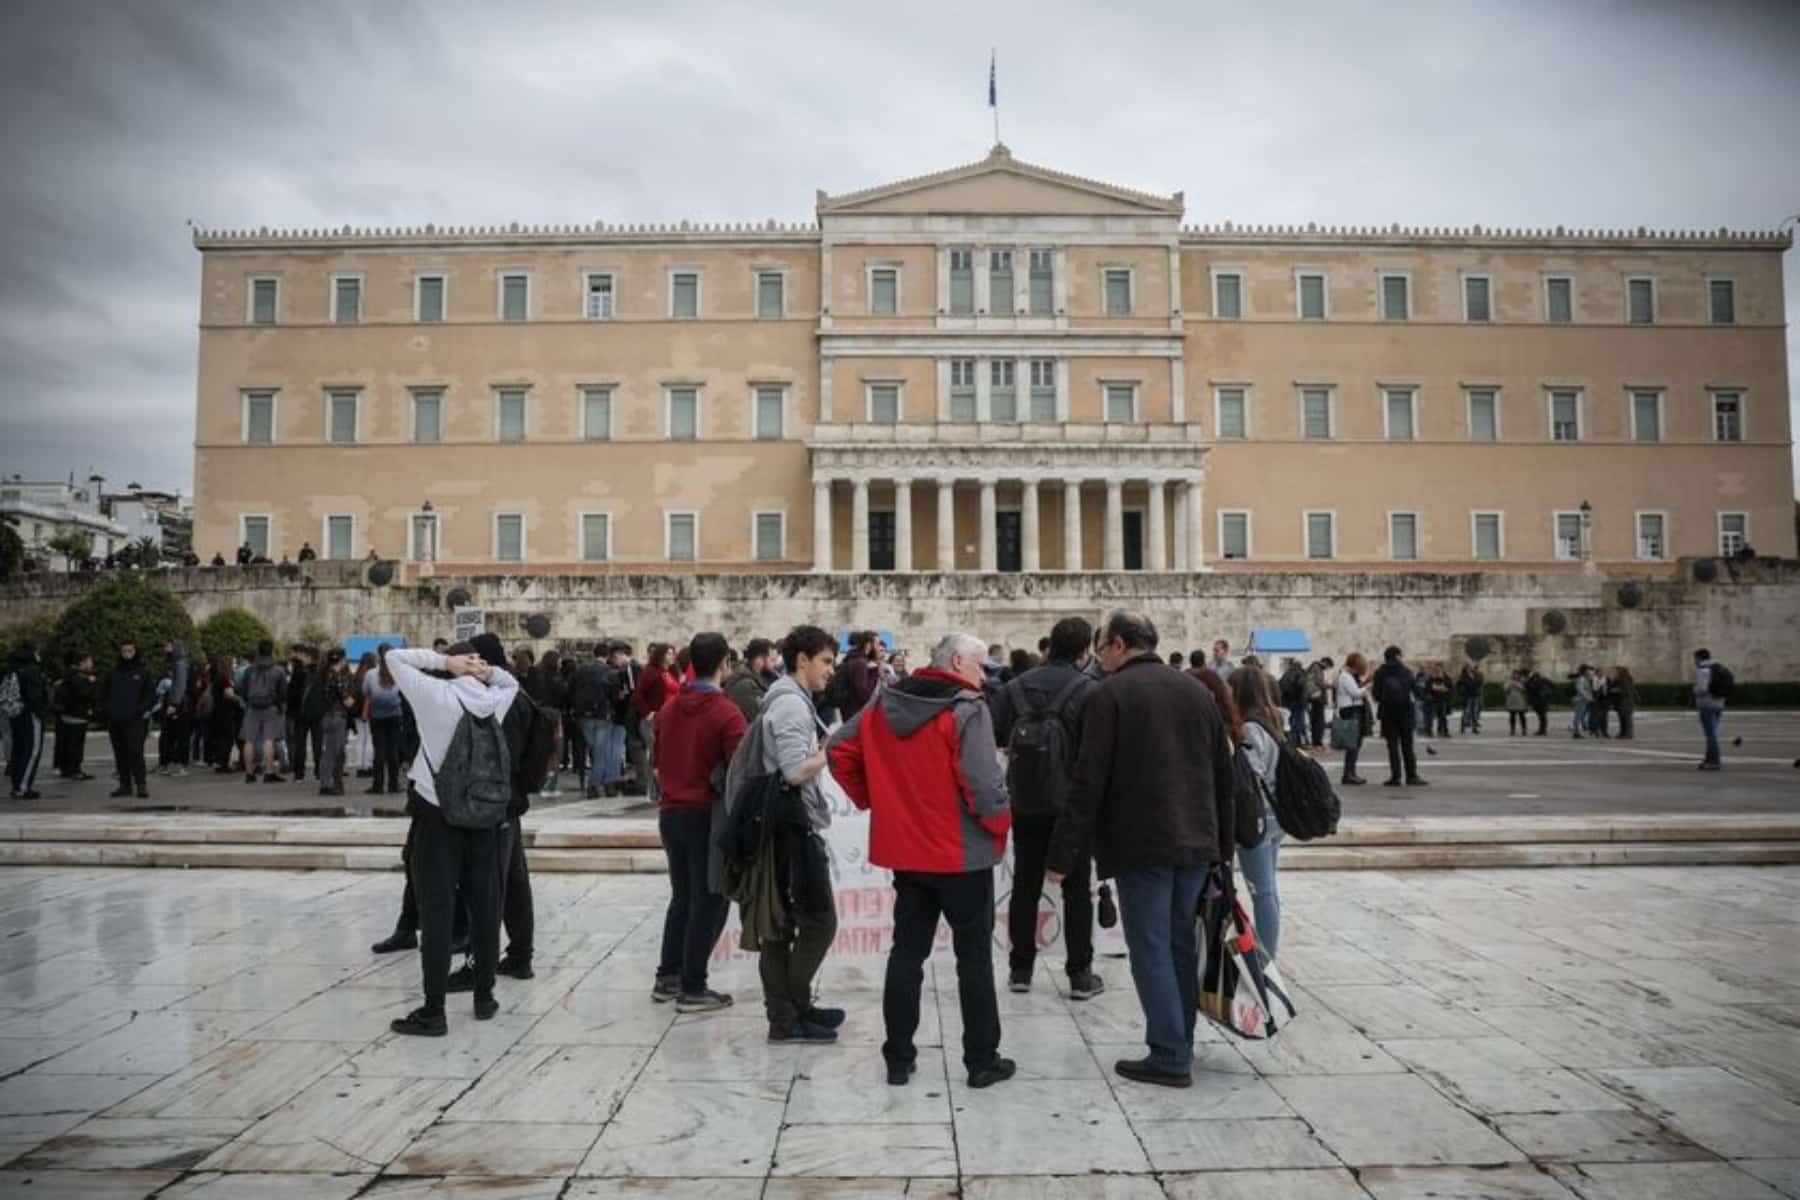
pixel 71 746
pixel 516 912
pixel 27 749
pixel 301 732
pixel 172 750
pixel 1543 716
pixel 1399 738
pixel 128 752
pixel 789 967
pixel 446 862
pixel 1516 722
pixel 409 898
pixel 1317 712
pixel 966 902
pixel 386 732
pixel 1031 846
pixel 696 916
pixel 575 747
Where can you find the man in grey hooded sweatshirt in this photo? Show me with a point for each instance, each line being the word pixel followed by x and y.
pixel 785 737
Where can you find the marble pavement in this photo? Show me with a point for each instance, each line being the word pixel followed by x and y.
pixel 1602 1033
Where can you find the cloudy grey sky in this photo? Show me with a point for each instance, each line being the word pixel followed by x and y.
pixel 121 121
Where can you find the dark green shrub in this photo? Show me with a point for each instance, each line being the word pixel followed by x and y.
pixel 122 605
pixel 233 631
pixel 39 631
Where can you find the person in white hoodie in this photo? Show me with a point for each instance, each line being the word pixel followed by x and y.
pixel 445 858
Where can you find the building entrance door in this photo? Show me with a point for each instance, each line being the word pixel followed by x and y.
pixel 1134 540
pixel 881 541
pixel 1009 541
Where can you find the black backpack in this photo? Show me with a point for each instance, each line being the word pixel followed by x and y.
pixel 837 692
pixel 1040 750
pixel 474 780
pixel 1720 681
pixel 1394 692
pixel 1246 802
pixel 1293 686
pixel 541 727
pixel 262 689
pixel 1305 806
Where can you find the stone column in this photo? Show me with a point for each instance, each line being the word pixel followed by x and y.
pixel 946 525
pixel 903 525
pixel 990 547
pixel 1114 533
pixel 859 526
pixel 1072 525
pixel 1158 558
pixel 1028 526
pixel 1181 528
pixel 1196 490
pixel 821 525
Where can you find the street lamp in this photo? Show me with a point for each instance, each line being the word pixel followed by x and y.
pixel 1587 524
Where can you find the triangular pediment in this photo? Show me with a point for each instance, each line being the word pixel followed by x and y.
pixel 1001 183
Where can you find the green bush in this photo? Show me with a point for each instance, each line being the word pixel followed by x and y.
pixel 233 631
pixel 39 631
pixel 122 605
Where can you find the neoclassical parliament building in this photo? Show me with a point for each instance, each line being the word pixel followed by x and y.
pixel 998 367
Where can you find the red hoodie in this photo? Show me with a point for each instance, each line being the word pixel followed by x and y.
pixel 696 733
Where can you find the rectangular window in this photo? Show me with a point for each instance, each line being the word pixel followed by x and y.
pixel 769 414
pixel 1003 395
pixel 259 418
pixel 263 295
pixel 428 295
pixel 1734 532
pixel 1569 540
pixel 1487 536
pixel 1234 534
pixel 1000 282
pixel 509 537
pixel 596 537
pixel 884 403
pixel 684 414
pixel 1728 416
pixel 962 281
pixel 1646 416
pixel 1234 414
pixel 682 537
pixel 1565 416
pixel 515 297
pixel 1403 536
pixel 1043 389
pixel 1641 301
pixel 1477 302
pixel 1400 415
pixel 1721 297
pixel 1651 544
pixel 422 539
pixel 1484 415
pixel 1396 298
pixel 338 537
pixel 1118 291
pixel 684 295
pixel 599 296
pixel 884 291
pixel 771 301
pixel 769 539
pixel 428 416
pixel 962 390
pixel 1121 403
pixel 256 535
pixel 1315 412
pixel 1043 282
pixel 1321 535
pixel 1228 296
pixel 512 414
pixel 1312 297
pixel 346 299
pixel 1559 299
pixel 343 416
pixel 596 414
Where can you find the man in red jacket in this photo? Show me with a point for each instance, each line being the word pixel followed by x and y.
pixel 920 757
pixel 696 733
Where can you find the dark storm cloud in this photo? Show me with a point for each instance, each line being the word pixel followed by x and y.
pixel 121 121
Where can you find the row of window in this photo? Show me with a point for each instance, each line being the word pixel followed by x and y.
pixel 1571 534
pixel 1311 299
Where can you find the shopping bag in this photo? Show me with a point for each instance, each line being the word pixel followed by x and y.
pixel 1239 988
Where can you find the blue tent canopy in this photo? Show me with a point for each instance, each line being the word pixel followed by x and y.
pixel 886 636
pixel 1279 641
pixel 358 644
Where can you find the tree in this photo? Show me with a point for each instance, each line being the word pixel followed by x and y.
pixel 12 551
pixel 143 553
pixel 233 631
pixel 119 607
pixel 39 631
pixel 75 546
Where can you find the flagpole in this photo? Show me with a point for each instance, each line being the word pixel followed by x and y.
pixel 994 92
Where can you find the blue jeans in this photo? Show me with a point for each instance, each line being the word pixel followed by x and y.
pixel 1471 714
pixel 1709 725
pixel 1160 907
pixel 1297 724
pixel 606 750
pixel 1579 719
pixel 1258 868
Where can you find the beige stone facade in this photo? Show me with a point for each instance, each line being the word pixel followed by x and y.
pixel 995 368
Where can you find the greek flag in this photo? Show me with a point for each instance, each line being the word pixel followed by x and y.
pixel 993 93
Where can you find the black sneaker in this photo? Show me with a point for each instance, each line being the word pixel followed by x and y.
pixel 998 1071
pixel 830 1018
pixel 666 988
pixel 143 793
pixel 1018 981
pixel 900 1074
pixel 802 1032
pixel 421 1022
pixel 702 1002
pixel 400 939
pixel 485 1007
pixel 123 793
pixel 1415 781
pixel 31 794
pixel 1390 783
pixel 249 776
pixel 1085 986
pixel 515 968
pixel 274 779
pixel 1139 1070
pixel 461 980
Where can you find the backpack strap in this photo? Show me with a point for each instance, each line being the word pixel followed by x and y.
pixel 1061 698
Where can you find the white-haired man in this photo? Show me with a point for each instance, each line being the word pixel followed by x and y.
pixel 920 757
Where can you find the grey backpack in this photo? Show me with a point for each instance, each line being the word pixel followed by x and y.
pixel 474 780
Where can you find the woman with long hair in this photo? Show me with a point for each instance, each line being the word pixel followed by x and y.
pixel 364 755
pixel 1254 693
pixel 654 687
pixel 1352 706
pixel 382 704
pixel 1214 683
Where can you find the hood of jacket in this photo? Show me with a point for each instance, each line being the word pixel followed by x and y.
pixel 915 701
pixel 743 675
pixel 693 699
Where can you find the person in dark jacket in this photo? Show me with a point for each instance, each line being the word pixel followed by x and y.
pixel 747 685
pixel 1057 690
pixel 1152 796
pixel 28 724
pixel 300 730
pixel 129 695
pixel 1537 693
pixel 1393 688
pixel 72 703
pixel 860 673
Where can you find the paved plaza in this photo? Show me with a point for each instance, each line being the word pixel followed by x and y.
pixel 1629 1033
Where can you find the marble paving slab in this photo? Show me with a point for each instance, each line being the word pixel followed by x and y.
pixel 210 1185
pixel 340 1123
pixel 1663 1181
pixel 1391 1120
pixel 1323 1183
pixel 866 1150
pixel 692 1128
pixel 174 1143
pixel 1511 1182
pixel 1271 1143
pixel 84 1185
pixel 568 1084
pixel 539 1148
